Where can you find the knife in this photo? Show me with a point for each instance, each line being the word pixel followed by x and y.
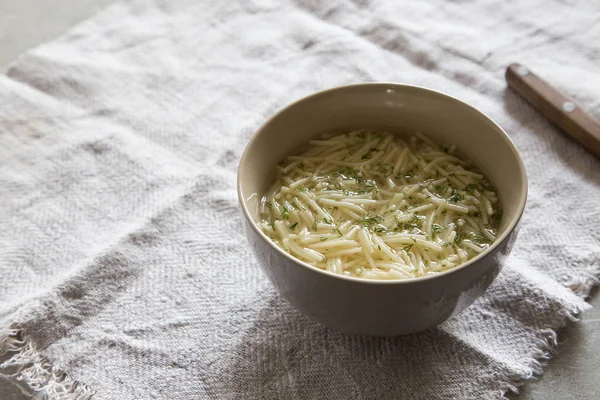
pixel 558 108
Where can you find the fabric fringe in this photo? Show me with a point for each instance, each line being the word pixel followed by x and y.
pixel 583 284
pixel 22 364
pixel 548 338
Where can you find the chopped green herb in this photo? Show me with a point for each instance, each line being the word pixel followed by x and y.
pixel 415 223
pixel 380 229
pixel 293 226
pixel 478 238
pixel 455 197
pixel 314 227
pixel 301 166
pixel 435 230
pixel 385 169
pixel 407 247
pixel 369 153
pixel 322 239
pixel 368 222
pixel 458 238
pixel 285 214
pixel 367 189
pixel 268 204
pixel 471 188
pixel 337 230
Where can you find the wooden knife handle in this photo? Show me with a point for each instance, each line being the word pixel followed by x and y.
pixel 555 106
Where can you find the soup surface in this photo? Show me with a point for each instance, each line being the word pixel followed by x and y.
pixel 376 205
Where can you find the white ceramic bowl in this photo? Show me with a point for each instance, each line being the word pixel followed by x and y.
pixel 373 307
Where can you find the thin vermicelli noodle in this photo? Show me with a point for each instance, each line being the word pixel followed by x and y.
pixel 375 205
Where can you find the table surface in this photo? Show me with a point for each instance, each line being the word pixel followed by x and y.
pixel 571 374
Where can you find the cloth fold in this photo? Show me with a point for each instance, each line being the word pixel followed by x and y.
pixel 125 271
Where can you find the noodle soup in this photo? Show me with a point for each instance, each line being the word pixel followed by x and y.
pixel 375 205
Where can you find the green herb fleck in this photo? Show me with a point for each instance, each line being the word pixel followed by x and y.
pixel 435 230
pixel 285 214
pixel 478 238
pixel 314 226
pixel 368 221
pixel 407 247
pixel 455 197
pixel 415 223
pixel 323 239
pixel 458 238
pixel 293 226
pixel 380 229
pixel 369 153
pixel 471 188
pixel 385 169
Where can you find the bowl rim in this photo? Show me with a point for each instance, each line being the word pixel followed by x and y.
pixel 511 227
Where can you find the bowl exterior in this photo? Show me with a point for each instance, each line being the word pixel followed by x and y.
pixel 377 308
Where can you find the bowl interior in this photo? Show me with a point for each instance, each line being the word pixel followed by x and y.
pixel 441 117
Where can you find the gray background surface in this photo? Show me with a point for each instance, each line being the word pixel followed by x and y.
pixel 574 373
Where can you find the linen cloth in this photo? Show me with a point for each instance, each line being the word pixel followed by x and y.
pixel 122 257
